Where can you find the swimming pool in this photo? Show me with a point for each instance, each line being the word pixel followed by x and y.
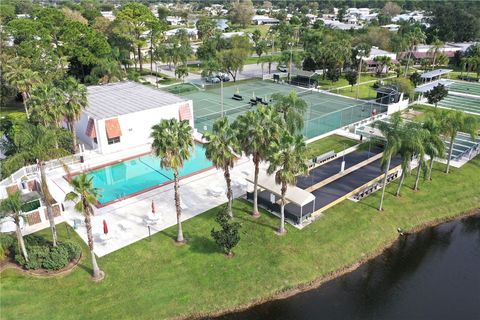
pixel 141 174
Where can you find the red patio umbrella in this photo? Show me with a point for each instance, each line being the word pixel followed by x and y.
pixel 105 227
pixel 153 207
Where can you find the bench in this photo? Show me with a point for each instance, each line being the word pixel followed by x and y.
pixel 325 157
pixel 253 102
pixel 237 97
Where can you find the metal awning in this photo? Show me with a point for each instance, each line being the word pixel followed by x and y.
pixel 429 86
pixel 113 128
pixel 294 194
pixel 434 73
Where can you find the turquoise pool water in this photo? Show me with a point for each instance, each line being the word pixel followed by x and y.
pixel 126 178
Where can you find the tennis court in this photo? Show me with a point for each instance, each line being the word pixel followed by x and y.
pixel 465 87
pixel 326 112
pixel 462 103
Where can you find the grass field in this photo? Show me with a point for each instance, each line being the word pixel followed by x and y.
pixel 334 142
pixel 365 92
pixel 157 280
pixel 342 82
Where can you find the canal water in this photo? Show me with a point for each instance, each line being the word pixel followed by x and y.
pixel 432 274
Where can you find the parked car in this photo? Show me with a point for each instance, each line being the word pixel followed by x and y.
pixel 282 68
pixel 212 79
pixel 223 77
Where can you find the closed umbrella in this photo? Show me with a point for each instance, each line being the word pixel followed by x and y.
pixel 105 227
pixel 153 207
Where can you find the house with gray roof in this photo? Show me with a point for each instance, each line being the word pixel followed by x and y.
pixel 120 115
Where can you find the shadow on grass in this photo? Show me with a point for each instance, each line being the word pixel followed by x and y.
pixel 202 244
pixel 255 221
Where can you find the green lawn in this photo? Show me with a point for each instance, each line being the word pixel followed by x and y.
pixel 334 142
pixel 12 106
pixel 342 82
pixel 157 280
pixel 365 91
pixel 181 88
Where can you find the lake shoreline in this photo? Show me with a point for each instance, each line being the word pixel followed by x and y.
pixel 289 292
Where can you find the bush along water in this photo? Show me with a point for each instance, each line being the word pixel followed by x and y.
pixel 41 253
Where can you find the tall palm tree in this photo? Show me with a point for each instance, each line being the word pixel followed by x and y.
pixel 435 50
pixel 86 195
pixel 12 207
pixel 47 105
pixel 222 148
pixel 75 101
pixel 363 50
pixel 23 80
pixel 433 143
pixel 173 144
pixel 412 138
pixel 392 134
pixel 415 37
pixel 37 144
pixel 257 131
pixel 383 63
pixel 287 162
pixel 454 121
pixel 292 108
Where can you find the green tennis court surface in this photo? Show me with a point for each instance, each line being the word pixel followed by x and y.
pixel 326 112
pixel 461 103
pixel 466 87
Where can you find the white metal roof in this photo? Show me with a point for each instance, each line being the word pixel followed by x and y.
pixel 429 86
pixel 114 99
pixel 294 194
pixel 435 73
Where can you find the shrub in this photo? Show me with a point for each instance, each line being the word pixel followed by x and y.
pixel 6 242
pixel 36 256
pixel 35 240
pixel 73 249
pixel 42 255
pixel 57 258
pixel 229 236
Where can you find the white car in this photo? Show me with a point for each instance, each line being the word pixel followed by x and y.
pixel 282 68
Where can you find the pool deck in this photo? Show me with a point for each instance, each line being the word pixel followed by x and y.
pixel 127 219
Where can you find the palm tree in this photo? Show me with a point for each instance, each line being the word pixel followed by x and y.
pixel 383 63
pixel 412 138
pixel 173 144
pixel 435 50
pixel 222 148
pixel 415 37
pixel 85 195
pixel 292 108
pixel 257 131
pixel 363 51
pixel 392 134
pixel 287 162
pixel 268 59
pixel 37 144
pixel 23 80
pixel 454 121
pixel 47 104
pixel 12 207
pixel 434 146
pixel 75 101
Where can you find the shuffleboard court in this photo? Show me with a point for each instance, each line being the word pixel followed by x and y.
pixel 462 103
pixel 465 87
pixel 326 112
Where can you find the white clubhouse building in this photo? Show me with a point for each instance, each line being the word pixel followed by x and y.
pixel 121 115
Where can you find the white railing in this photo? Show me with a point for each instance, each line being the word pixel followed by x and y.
pixel 32 170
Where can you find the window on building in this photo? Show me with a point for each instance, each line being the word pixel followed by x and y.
pixel 113 140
